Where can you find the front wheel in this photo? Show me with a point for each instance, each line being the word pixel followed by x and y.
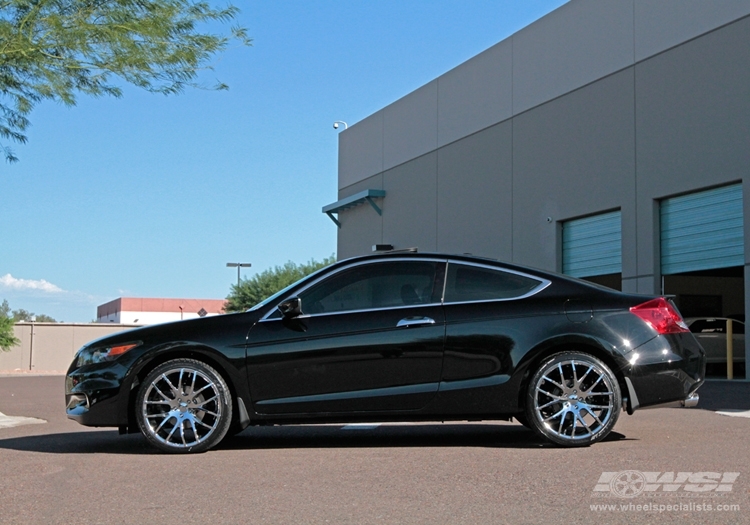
pixel 573 400
pixel 184 406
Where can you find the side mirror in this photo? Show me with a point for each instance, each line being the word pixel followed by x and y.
pixel 291 308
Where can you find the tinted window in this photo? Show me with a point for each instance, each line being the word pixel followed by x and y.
pixel 473 283
pixel 379 285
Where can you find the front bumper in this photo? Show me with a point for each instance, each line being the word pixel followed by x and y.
pixel 93 398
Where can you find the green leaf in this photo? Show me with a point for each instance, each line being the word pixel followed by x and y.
pixel 59 49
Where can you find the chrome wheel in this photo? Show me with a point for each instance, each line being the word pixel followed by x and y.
pixel 573 399
pixel 184 406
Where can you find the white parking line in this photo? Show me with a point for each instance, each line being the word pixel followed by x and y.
pixel 17 421
pixel 734 413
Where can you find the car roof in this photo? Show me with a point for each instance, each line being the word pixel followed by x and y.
pixel 465 257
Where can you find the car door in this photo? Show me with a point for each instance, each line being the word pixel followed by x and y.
pixel 370 338
pixel 487 320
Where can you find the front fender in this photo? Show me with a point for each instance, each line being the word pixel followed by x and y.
pixel 231 368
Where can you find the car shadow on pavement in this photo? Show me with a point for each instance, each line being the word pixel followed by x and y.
pixel 92 442
pixel 391 435
pixel 300 436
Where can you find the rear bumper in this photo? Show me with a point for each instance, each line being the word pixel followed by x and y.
pixel 666 371
pixel 691 401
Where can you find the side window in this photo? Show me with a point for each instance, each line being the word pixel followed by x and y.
pixel 378 285
pixel 473 283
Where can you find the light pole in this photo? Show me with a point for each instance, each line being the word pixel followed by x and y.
pixel 238 266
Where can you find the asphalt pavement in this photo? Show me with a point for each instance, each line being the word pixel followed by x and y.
pixel 658 466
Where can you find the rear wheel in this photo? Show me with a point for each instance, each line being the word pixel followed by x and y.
pixel 573 400
pixel 184 406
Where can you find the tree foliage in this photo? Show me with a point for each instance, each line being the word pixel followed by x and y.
pixel 22 315
pixel 57 49
pixel 7 339
pixel 253 290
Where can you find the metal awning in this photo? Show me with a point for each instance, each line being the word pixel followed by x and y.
pixel 352 201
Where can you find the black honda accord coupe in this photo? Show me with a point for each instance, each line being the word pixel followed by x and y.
pixel 396 337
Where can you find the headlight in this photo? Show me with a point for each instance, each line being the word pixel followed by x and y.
pixel 100 354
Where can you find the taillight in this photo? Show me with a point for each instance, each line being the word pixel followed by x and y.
pixel 661 315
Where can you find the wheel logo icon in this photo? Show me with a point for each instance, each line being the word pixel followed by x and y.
pixel 628 484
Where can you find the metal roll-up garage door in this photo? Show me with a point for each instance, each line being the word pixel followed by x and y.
pixel 702 231
pixel 592 245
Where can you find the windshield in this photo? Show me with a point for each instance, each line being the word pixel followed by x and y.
pixel 280 293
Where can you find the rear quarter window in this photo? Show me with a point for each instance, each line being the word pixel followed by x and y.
pixel 466 283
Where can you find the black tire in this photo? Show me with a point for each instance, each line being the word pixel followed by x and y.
pixel 521 418
pixel 573 400
pixel 184 406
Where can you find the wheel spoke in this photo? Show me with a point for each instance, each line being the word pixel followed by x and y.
pixel 206 401
pixel 171 386
pixel 594 416
pixel 164 422
pixel 171 432
pixel 553 416
pixel 562 375
pixel 209 385
pixel 162 394
pixel 192 384
pixel 558 385
pixel 595 383
pixel 180 384
pixel 548 394
pixel 580 381
pixel 556 400
pixel 584 424
pixel 200 422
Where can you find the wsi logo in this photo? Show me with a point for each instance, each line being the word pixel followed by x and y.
pixel 631 483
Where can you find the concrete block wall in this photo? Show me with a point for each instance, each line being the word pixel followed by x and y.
pixel 49 347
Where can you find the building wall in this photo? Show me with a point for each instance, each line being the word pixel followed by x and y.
pixel 144 318
pixel 143 311
pixel 51 346
pixel 581 42
pixel 601 105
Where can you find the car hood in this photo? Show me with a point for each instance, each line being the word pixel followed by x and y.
pixel 199 330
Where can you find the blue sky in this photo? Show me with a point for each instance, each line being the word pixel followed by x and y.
pixel 151 196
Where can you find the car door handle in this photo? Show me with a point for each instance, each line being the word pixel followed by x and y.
pixel 414 321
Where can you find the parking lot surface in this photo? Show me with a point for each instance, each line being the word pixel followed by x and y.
pixel 658 466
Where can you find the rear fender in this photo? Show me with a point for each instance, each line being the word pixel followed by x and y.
pixel 598 348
